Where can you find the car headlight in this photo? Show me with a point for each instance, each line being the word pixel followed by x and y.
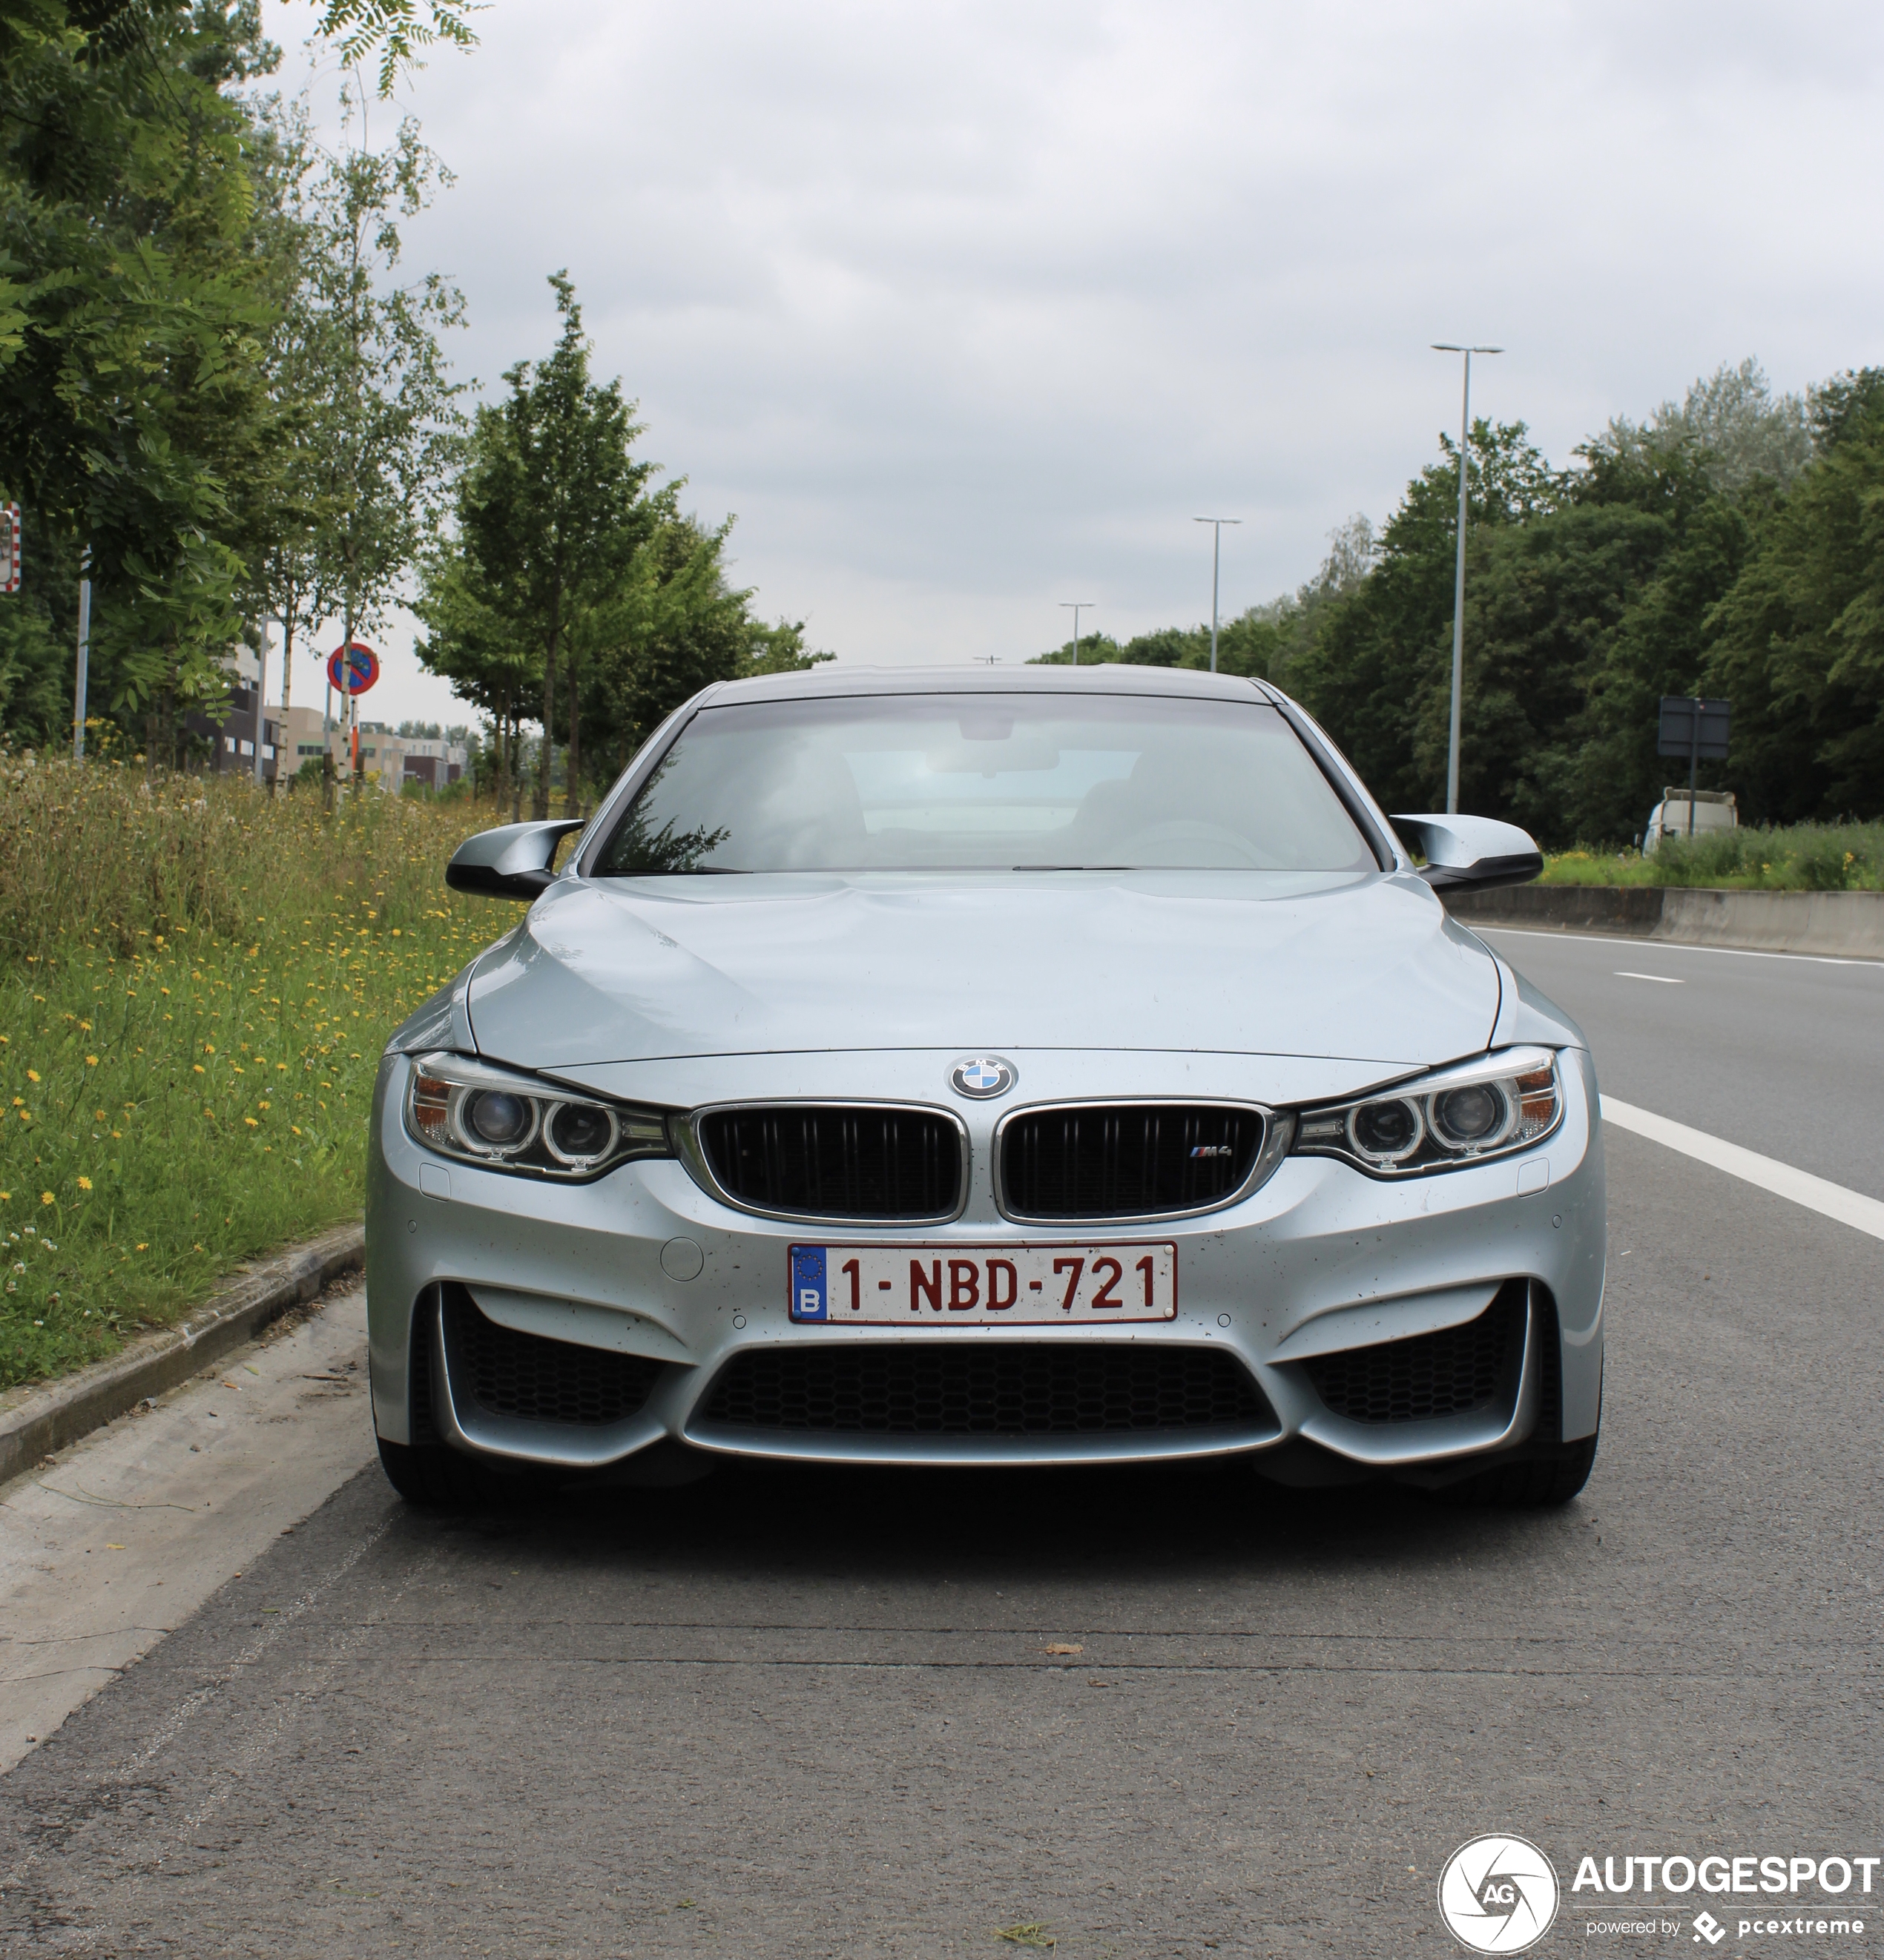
pixel 480 1114
pixel 1461 1114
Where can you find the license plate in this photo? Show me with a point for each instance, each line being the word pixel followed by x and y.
pixel 972 1286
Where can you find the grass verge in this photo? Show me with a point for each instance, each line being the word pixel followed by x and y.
pixel 198 980
pixel 1806 857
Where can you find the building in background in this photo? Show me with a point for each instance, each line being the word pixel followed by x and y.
pixel 392 760
pixel 290 740
pixel 231 740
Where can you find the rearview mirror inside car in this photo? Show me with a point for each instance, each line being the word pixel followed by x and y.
pixel 1471 853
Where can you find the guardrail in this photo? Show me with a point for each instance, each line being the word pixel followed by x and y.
pixel 1835 924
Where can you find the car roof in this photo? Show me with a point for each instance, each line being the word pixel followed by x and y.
pixel 828 679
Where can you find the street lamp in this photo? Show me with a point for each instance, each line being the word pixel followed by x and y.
pixel 1078 605
pixel 1216 554
pixel 1458 573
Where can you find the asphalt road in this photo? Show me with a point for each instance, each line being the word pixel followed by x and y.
pixel 1781 1055
pixel 790 1714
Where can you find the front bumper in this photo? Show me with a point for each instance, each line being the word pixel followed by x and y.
pixel 645 1270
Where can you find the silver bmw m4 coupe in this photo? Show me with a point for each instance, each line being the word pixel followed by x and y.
pixel 1047 1066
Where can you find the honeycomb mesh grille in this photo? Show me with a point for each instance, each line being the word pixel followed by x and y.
pixel 837 1163
pixel 1451 1373
pixel 1128 1161
pixel 425 1429
pixel 1006 1390
pixel 525 1376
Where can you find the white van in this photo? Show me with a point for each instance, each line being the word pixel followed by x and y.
pixel 1714 809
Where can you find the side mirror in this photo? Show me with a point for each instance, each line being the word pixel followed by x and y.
pixel 1471 853
pixel 510 862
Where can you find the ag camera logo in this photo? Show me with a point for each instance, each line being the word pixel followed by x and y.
pixel 1498 1895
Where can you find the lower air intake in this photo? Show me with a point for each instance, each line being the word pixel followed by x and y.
pixel 1454 1371
pixel 1011 1389
pixel 525 1377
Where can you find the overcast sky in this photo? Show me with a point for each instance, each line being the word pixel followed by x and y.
pixel 965 310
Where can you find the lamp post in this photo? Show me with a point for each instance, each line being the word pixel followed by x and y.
pixel 81 674
pixel 1216 555
pixel 1458 573
pixel 1077 607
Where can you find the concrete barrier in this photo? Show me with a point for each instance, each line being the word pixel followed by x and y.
pixel 1835 924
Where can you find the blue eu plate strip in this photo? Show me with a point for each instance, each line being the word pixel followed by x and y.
pixel 809 1300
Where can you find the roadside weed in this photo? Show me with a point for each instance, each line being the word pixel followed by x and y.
pixel 187 1055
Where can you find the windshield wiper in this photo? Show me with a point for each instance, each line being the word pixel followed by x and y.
pixel 1069 867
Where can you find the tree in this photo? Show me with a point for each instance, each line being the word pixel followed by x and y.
pixel 134 415
pixel 550 514
pixel 1797 643
pixel 472 645
pixel 678 624
pixel 147 398
pixel 378 442
pixel 1730 424
pixel 1376 657
pixel 395 31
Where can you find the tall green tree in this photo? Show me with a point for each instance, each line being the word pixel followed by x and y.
pixel 135 418
pixel 1797 643
pixel 551 511
pixel 148 406
pixel 380 438
pixel 678 624
pixel 1376 659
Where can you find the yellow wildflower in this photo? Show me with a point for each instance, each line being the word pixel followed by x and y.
pixel 84 1183
pixel 91 1061
pixel 32 1075
pixel 46 1197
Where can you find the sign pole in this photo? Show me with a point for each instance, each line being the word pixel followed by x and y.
pixel 82 675
pixel 1694 768
pixel 261 697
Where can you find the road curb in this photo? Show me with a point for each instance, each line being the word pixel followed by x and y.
pixel 1847 925
pixel 36 1421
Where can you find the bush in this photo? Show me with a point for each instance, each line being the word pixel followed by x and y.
pixel 1804 857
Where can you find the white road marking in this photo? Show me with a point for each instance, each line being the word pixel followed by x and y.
pixel 1816 1194
pixel 1666 979
pixel 1671 945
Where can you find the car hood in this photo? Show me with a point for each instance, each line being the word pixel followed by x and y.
pixel 1359 967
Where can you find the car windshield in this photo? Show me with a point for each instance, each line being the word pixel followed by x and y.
pixel 986 782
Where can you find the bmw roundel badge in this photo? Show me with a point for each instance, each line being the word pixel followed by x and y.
pixel 981 1076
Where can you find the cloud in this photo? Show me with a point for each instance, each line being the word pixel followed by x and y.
pixel 965 309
